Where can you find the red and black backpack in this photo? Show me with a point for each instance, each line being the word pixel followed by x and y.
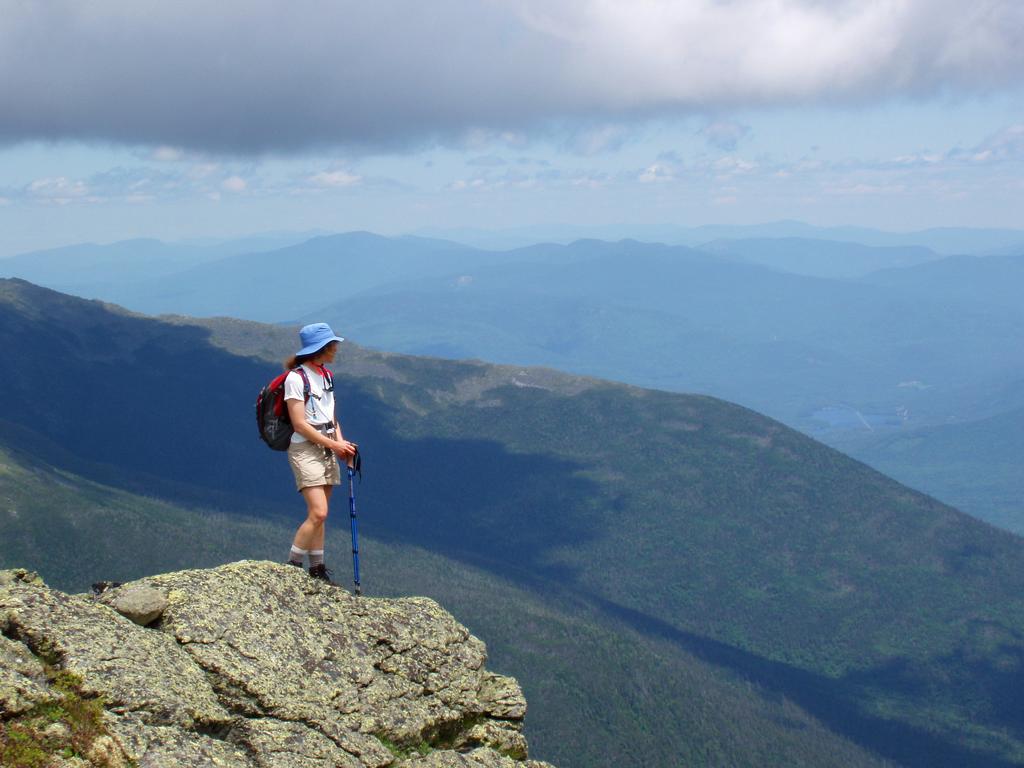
pixel 272 414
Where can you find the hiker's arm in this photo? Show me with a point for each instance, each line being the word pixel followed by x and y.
pixel 297 414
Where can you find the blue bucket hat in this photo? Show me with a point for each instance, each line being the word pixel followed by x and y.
pixel 315 337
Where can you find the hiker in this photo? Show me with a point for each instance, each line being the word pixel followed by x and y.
pixel 317 443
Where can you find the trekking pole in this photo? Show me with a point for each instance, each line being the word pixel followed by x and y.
pixel 352 519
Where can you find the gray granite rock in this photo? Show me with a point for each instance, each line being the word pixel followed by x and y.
pixel 139 603
pixel 23 682
pixel 20 576
pixel 256 665
pixel 134 669
pixel 163 746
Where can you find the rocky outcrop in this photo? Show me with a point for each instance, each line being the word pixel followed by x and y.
pixel 250 664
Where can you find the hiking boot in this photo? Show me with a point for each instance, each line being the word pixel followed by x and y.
pixel 295 563
pixel 323 573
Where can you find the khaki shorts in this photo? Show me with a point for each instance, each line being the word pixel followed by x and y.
pixel 313 465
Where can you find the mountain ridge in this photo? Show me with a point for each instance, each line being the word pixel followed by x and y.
pixel 657 698
pixel 695 523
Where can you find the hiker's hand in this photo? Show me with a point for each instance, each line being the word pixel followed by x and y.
pixel 345 449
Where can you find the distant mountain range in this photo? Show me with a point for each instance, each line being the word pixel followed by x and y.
pixel 724 587
pixel 943 240
pixel 821 258
pixel 833 338
pixel 893 351
pixel 992 283
pixel 91 270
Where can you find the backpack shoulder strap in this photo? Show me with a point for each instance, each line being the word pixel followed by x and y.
pixel 305 382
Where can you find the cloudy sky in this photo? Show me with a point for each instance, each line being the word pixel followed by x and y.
pixel 127 118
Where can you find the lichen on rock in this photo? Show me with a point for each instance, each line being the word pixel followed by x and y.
pixel 256 664
pixel 22 678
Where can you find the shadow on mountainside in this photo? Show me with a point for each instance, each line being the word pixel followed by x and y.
pixel 464 498
pixel 157 409
pixel 833 701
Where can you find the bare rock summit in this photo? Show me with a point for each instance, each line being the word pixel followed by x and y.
pixel 251 664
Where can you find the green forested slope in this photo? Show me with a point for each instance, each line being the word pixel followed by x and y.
pixel 974 465
pixel 599 694
pixel 701 527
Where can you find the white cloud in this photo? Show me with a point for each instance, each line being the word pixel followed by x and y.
pixel 591 140
pixel 474 138
pixel 335 179
pixel 860 189
pixel 462 185
pixel 134 185
pixel 167 154
pixel 670 167
pixel 730 165
pixel 1007 143
pixel 584 181
pixel 59 190
pixel 249 76
pixel 515 179
pixel 706 52
pixel 656 172
pixel 917 159
pixel 234 184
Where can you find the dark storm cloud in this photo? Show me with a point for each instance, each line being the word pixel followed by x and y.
pixel 255 76
pixel 252 76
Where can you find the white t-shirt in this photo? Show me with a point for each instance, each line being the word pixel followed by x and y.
pixel 320 406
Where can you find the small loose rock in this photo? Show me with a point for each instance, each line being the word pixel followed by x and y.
pixel 142 604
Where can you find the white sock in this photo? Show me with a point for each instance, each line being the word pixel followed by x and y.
pixel 297 555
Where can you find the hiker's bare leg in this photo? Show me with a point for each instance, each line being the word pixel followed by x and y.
pixel 318 543
pixel 311 533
